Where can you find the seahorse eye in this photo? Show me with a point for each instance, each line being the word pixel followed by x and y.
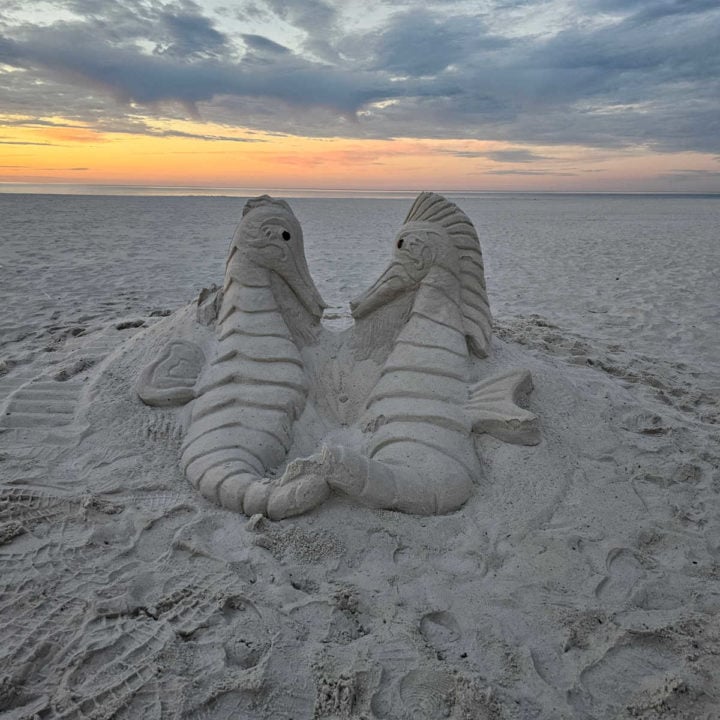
pixel 285 235
pixel 400 242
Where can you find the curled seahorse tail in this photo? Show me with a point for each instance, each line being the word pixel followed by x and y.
pixel 302 487
pixel 383 485
pixel 229 482
pixel 256 498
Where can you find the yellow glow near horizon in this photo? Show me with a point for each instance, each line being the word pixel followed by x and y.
pixel 195 154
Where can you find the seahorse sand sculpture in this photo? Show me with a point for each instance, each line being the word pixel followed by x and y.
pixel 247 395
pixel 429 317
pixel 419 455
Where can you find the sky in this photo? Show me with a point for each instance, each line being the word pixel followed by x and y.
pixel 488 95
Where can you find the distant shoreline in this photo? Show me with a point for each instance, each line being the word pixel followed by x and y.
pixel 7 188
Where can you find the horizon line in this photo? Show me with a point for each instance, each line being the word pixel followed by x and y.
pixel 95 189
pixel 34 188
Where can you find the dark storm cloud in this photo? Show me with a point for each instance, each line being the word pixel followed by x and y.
pixel 620 73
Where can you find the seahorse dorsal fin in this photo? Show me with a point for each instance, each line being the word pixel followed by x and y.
pixel 477 319
pixel 170 379
pixel 493 409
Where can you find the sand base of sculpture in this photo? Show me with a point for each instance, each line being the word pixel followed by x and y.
pixel 538 596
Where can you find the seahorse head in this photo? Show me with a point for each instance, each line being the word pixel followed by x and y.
pixel 269 237
pixel 419 246
pixel 436 234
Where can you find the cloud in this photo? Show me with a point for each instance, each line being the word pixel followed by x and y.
pixel 27 167
pixel 691 174
pixel 200 136
pixel 23 142
pixel 36 122
pixel 421 43
pixel 609 73
pixel 519 155
pixel 515 156
pixel 263 44
pixel 644 11
pixel 528 172
pixel 70 53
pixel 191 34
pixel 316 19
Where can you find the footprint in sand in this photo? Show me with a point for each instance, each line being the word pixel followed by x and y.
pixel 427 694
pixel 624 571
pixel 423 693
pixel 440 629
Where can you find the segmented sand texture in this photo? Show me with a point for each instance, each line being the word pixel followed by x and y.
pixel 38 624
pixel 470 272
pixel 129 664
pixel 35 622
pixel 98 346
pixel 41 404
pixel 194 600
pixel 419 397
pixel 32 507
pixel 247 398
pixel 12 383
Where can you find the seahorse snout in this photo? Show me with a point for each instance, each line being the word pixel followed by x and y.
pixel 294 271
pixel 391 284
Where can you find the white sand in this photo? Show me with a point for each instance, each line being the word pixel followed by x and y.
pixel 580 581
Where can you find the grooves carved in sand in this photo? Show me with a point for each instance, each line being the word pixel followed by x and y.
pixel 41 404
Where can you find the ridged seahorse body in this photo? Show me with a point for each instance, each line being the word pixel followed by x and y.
pixel 254 387
pixel 419 427
pixel 419 455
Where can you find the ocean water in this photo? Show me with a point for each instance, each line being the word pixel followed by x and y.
pixel 638 272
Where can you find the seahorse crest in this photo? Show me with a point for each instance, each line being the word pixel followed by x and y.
pixel 263 221
pixel 265 201
pixel 431 209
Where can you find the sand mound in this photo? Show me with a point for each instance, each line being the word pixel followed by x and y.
pixel 579 580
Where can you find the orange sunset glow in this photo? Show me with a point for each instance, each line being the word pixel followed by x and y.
pixel 72 154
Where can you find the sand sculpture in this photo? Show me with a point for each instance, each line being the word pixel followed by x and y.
pixel 256 391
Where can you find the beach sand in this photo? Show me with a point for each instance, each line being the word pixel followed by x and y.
pixel 581 580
